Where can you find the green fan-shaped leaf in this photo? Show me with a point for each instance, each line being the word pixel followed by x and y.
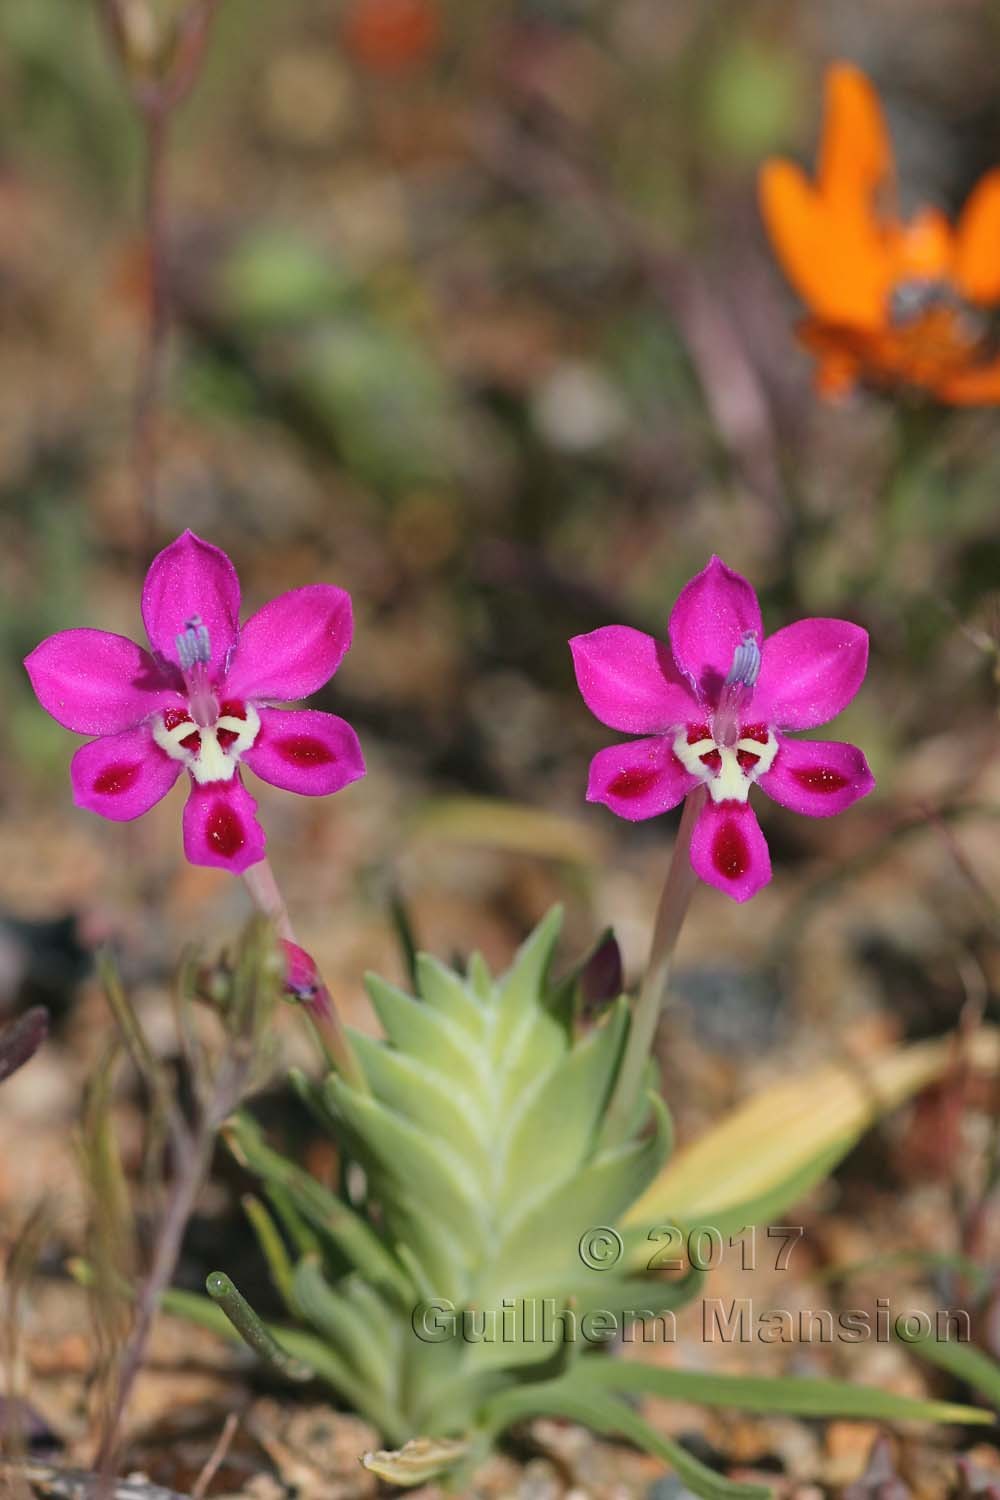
pixel 420 1095
pixel 446 992
pixel 421 1163
pixel 542 1245
pixel 426 1034
pixel 557 1130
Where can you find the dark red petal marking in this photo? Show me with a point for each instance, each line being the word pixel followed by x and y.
pixel 304 750
pixel 820 778
pixel 191 741
pixel 730 852
pixel 747 759
pixel 698 732
pixel 632 783
pixel 115 779
pixel 712 759
pixel 224 831
pixel 233 708
pixel 175 716
pixel 758 732
pixel 226 737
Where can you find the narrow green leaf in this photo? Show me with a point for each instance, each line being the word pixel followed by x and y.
pixel 602 1413
pixel 964 1361
pixel 273 1249
pixel 321 1208
pixel 794 1397
pixel 342 1325
pixel 302 1346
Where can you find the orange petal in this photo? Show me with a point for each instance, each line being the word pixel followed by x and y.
pixel 834 262
pixel 924 249
pixel 855 153
pixel 977 386
pixel 977 254
pixel 836 377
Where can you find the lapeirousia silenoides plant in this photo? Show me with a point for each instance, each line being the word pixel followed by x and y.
pixel 450 1289
pixel 471 1282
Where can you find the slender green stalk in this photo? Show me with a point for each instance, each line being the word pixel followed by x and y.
pixel 675 898
pixel 252 1330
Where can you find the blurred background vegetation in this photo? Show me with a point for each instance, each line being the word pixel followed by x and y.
pixel 473 315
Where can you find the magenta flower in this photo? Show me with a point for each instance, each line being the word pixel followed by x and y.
pixel 201 701
pixel 715 706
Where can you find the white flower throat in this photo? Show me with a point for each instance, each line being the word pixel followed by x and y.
pixel 209 738
pixel 727 754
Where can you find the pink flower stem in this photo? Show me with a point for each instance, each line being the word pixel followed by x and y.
pixel 329 1029
pixel 675 898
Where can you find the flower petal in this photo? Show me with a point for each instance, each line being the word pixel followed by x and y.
pixel 96 683
pixel 121 776
pixel 809 672
pixel 729 851
pixel 221 828
pixel 977 265
pixel 629 681
pixel 829 248
pixel 855 153
pixel 817 777
pixel 712 614
pixel 639 779
pixel 977 385
pixel 189 579
pixel 293 645
pixel 305 751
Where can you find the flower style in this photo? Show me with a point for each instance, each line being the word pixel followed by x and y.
pixel 893 303
pixel 200 702
pixel 714 706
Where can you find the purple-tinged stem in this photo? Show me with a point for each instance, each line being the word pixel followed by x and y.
pixel 194 1148
pixel 675 898
pixel 156 94
pixel 266 896
pixel 147 414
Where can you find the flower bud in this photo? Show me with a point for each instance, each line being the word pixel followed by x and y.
pixel 303 984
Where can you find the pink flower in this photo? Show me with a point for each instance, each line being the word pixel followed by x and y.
pixel 715 705
pixel 200 702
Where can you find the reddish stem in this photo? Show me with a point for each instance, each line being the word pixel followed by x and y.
pixel 266 896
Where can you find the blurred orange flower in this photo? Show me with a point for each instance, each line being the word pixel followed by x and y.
pixel 389 36
pixel 892 303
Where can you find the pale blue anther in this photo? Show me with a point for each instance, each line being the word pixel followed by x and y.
pixel 193 645
pixel 746 662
